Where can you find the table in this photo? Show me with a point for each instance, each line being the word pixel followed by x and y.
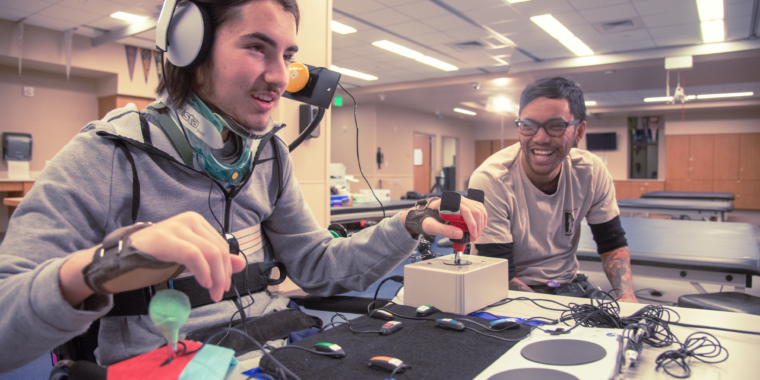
pixel 693 195
pixel 678 208
pixel 370 210
pixel 741 364
pixel 693 251
pixel 14 201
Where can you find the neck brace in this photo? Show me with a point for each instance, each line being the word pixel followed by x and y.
pixel 205 129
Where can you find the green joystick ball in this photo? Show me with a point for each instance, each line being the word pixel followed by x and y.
pixel 169 310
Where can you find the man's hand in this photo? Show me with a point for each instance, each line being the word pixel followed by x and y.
pixel 617 266
pixel 473 213
pixel 186 239
pixel 516 284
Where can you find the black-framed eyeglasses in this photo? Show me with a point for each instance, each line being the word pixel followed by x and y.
pixel 553 128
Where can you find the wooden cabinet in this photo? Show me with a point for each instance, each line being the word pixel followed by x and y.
pixel 634 189
pixel 486 148
pixel 720 162
pixel 726 163
pixel 677 157
pixel 701 157
pixel 749 156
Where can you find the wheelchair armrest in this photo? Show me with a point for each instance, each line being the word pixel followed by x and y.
pixel 338 304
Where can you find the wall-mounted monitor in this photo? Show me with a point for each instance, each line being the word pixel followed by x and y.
pixel 601 141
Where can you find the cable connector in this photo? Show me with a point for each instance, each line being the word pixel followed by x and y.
pixel 631 359
pixel 399 279
pixel 558 331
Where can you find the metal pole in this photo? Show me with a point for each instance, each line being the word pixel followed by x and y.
pixel 502 131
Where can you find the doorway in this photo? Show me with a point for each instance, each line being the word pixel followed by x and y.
pixel 450 145
pixel 422 168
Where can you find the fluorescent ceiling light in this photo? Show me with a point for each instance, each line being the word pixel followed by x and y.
pixel 398 49
pixel 731 95
pixel 516 1
pixel 413 54
pixel 341 28
pixel 437 63
pixel 501 82
pixel 560 32
pixel 576 46
pixel 464 111
pixel 552 26
pixel 352 73
pixel 666 98
pixel 713 31
pixel 128 17
pixel 710 10
pixel 590 103
pixel 499 104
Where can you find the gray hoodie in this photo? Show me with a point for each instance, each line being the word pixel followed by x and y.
pixel 86 192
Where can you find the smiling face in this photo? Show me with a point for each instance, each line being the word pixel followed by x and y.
pixel 249 63
pixel 543 154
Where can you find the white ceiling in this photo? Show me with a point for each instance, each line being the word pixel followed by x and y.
pixel 433 27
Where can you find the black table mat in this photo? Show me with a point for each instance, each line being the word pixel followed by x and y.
pixel 432 352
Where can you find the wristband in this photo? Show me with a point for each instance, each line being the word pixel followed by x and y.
pixel 117 266
pixel 415 217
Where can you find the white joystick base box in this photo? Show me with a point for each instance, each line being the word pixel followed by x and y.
pixel 459 289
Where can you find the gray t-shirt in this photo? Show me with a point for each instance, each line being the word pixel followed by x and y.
pixel 545 228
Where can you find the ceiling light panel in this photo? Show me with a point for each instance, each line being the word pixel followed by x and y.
pixel 353 73
pixel 437 63
pixel 590 103
pixel 128 17
pixel 516 1
pixel 576 46
pixel 550 24
pixel 341 28
pixel 730 95
pixel 666 99
pixel 713 31
pixel 555 29
pixel 464 111
pixel 398 49
pixel 710 10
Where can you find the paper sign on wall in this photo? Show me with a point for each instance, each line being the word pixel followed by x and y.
pixel 417 157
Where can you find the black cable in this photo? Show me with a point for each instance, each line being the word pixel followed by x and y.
pixel 534 301
pixel 699 345
pixel 715 328
pixel 211 208
pixel 357 151
pixel 498 337
pixel 282 371
pixel 399 279
pixel 305 349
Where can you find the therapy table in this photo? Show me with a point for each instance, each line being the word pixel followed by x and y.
pixel 369 210
pixel 678 208
pixel 693 251
pixel 692 195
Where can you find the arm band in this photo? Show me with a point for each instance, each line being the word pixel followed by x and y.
pixel 501 251
pixel 608 236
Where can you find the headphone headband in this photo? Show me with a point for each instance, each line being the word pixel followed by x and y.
pixel 184 33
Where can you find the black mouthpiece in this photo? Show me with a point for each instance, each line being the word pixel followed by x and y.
pixel 450 201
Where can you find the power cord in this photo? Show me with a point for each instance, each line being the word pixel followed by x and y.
pixel 356 123
pixel 699 345
pixel 399 279
pixel 282 371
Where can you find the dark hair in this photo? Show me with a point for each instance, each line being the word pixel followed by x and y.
pixel 556 88
pixel 182 81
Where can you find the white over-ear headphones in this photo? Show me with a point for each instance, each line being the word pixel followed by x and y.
pixel 184 33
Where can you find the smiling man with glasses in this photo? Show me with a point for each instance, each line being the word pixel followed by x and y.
pixel 539 191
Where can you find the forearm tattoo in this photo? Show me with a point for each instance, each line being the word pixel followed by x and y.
pixel 516 284
pixel 617 266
